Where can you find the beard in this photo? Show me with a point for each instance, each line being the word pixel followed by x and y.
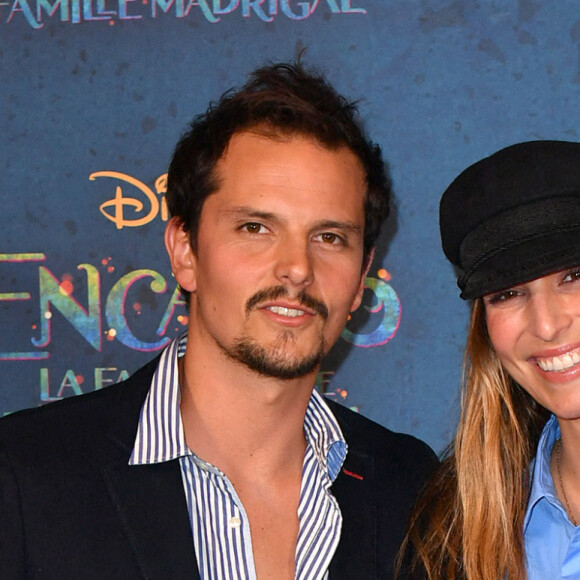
pixel 274 362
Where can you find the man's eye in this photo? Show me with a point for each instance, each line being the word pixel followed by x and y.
pixel 253 228
pixel 331 238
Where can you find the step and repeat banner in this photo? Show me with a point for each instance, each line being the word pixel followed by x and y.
pixel 95 94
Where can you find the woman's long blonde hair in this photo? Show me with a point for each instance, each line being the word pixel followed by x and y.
pixel 468 523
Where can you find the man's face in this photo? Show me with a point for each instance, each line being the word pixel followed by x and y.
pixel 279 254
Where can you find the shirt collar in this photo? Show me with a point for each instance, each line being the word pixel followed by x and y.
pixel 323 434
pixel 542 482
pixel 160 436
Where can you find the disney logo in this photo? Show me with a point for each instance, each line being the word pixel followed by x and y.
pixel 128 211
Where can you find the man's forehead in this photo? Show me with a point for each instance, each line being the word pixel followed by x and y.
pixel 294 175
pixel 295 158
pixel 279 147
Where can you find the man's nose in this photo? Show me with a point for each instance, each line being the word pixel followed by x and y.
pixel 294 263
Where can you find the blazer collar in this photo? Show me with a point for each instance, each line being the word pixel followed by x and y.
pixel 354 487
pixel 149 499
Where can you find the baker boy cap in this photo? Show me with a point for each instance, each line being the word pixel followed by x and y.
pixel 513 216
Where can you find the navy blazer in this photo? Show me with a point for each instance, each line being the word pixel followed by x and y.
pixel 72 508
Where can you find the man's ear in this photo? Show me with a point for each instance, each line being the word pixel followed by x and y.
pixel 183 262
pixel 361 287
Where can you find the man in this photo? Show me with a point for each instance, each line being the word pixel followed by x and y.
pixel 217 460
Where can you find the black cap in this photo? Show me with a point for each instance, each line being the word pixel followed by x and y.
pixel 513 216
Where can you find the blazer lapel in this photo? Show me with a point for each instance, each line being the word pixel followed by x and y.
pixel 354 488
pixel 149 499
pixel 152 508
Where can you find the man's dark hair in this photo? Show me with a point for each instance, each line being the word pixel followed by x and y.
pixel 278 100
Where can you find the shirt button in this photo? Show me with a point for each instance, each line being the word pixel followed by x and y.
pixel 235 522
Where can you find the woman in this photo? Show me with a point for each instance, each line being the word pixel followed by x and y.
pixel 505 502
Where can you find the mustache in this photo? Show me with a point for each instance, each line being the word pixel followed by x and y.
pixel 275 292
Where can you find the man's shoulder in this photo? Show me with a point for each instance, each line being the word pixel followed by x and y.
pixel 364 435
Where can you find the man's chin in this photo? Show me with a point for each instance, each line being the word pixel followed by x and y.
pixel 278 365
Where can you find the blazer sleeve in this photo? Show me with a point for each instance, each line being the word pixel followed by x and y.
pixel 11 527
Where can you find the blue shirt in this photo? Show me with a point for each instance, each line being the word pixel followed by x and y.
pixel 219 524
pixel 552 542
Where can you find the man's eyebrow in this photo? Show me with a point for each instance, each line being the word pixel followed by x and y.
pixel 244 212
pixel 248 212
pixel 347 226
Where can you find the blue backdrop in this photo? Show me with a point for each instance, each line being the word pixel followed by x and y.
pixel 95 94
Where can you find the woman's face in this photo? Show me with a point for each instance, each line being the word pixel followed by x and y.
pixel 535 330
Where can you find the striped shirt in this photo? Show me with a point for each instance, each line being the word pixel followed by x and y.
pixel 219 524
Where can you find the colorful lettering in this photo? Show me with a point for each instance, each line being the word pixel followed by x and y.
pixel 76 11
pixel 115 309
pixel 388 302
pixel 86 321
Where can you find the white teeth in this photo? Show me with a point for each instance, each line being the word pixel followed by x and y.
pixel 545 365
pixel 560 363
pixel 290 312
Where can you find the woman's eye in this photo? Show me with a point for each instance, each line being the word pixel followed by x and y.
pixel 572 276
pixel 503 296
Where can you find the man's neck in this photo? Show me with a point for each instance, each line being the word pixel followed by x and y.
pixel 238 420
